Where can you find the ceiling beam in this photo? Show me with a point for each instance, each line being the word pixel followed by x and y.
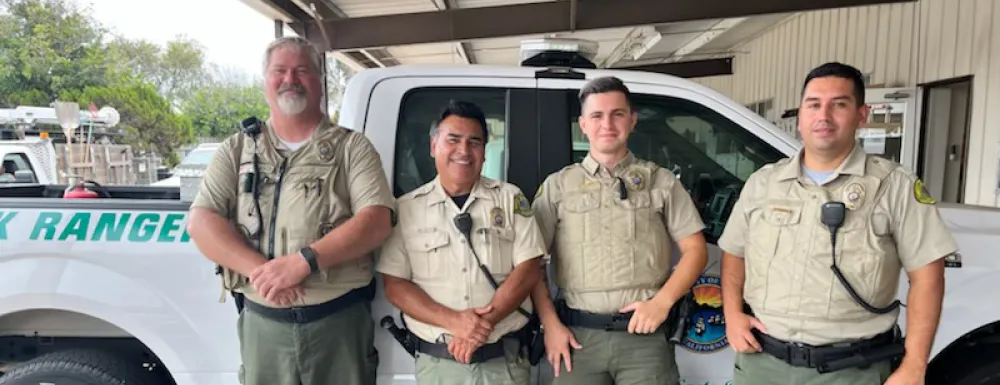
pixel 548 17
pixel 462 48
pixel 689 69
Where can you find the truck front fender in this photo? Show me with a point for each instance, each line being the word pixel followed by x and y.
pixel 179 336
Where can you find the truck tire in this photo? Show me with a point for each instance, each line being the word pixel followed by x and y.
pixel 78 367
pixel 986 374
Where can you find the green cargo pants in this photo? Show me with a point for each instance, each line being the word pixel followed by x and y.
pixel 764 369
pixel 511 369
pixel 617 357
pixel 338 349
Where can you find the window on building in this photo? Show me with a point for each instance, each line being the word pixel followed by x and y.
pixel 414 165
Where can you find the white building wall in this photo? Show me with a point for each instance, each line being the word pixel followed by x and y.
pixel 899 45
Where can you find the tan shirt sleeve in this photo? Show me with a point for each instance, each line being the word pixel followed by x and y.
pixel 528 243
pixel 220 183
pixel 679 213
pixel 393 259
pixel 733 238
pixel 921 235
pixel 545 208
pixel 365 176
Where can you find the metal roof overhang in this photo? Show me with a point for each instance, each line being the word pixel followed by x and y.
pixel 458 24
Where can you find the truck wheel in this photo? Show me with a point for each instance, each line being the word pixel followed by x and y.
pixel 986 374
pixel 78 367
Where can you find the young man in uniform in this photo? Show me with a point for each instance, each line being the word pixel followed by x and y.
pixel 608 222
pixel 471 325
pixel 309 201
pixel 778 254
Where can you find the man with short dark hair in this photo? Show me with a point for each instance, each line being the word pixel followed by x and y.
pixel 815 244
pixel 462 262
pixel 608 223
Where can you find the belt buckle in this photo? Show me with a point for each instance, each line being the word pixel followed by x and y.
pixel 798 354
pixel 615 320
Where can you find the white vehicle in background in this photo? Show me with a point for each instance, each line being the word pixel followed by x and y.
pixel 193 165
pixel 117 286
pixel 28 160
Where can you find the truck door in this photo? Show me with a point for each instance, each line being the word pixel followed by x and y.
pixel 712 148
pixel 401 111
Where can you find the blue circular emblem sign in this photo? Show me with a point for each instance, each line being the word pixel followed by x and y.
pixel 707 327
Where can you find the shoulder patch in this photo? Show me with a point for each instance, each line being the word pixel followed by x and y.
pixel 920 192
pixel 521 205
pixel 538 192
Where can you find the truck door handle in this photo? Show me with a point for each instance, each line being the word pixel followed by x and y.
pixel 952 152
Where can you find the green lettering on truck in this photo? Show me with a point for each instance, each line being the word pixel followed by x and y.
pixel 108 229
pixel 141 231
pixel 5 218
pixel 77 227
pixel 47 222
pixel 168 227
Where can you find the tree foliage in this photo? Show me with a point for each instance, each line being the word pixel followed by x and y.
pixel 216 110
pixel 47 47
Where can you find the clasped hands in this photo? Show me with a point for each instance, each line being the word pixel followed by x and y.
pixel 279 280
pixel 469 329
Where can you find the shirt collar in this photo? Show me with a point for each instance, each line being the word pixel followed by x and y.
pixel 479 191
pixel 592 166
pixel 854 164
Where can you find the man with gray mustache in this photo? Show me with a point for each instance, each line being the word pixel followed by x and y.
pixel 291 210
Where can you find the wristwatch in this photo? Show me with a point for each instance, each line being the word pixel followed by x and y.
pixel 310 256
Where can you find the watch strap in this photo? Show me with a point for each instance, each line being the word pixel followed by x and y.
pixel 310 256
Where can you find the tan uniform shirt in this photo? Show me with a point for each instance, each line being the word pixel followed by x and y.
pixel 427 249
pixel 609 252
pixel 776 225
pixel 323 184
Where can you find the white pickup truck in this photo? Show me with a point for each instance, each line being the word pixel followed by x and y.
pixel 83 276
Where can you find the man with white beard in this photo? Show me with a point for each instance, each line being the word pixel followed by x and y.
pixel 291 210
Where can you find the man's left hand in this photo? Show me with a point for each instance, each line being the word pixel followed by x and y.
pixel 278 274
pixel 906 375
pixel 462 349
pixel 648 315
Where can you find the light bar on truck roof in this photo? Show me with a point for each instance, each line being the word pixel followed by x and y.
pixel 558 52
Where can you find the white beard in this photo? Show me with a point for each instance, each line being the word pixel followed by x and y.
pixel 291 103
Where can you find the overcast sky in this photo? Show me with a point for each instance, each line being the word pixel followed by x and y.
pixel 233 34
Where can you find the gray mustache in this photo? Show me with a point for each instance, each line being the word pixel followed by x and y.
pixel 295 87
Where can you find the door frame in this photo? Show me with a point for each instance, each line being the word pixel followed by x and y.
pixel 923 95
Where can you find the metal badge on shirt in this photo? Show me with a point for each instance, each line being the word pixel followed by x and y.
pixel 854 196
pixel 635 180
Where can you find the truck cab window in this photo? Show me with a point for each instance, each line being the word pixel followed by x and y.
pixel 414 165
pixel 12 163
pixel 711 155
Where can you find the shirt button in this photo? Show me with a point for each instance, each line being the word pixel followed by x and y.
pixel 464 269
pixel 466 298
pixel 463 241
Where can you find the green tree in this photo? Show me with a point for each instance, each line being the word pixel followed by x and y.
pixel 147 119
pixel 175 70
pixel 217 108
pixel 47 47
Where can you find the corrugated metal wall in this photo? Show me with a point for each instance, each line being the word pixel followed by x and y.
pixel 899 45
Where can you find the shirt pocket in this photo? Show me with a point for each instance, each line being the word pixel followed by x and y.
pixel 772 235
pixel 637 215
pixel 580 219
pixel 429 255
pixel 500 251
pixel 307 193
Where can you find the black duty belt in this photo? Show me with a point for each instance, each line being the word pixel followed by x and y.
pixel 606 322
pixel 484 353
pixel 307 314
pixel 864 352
